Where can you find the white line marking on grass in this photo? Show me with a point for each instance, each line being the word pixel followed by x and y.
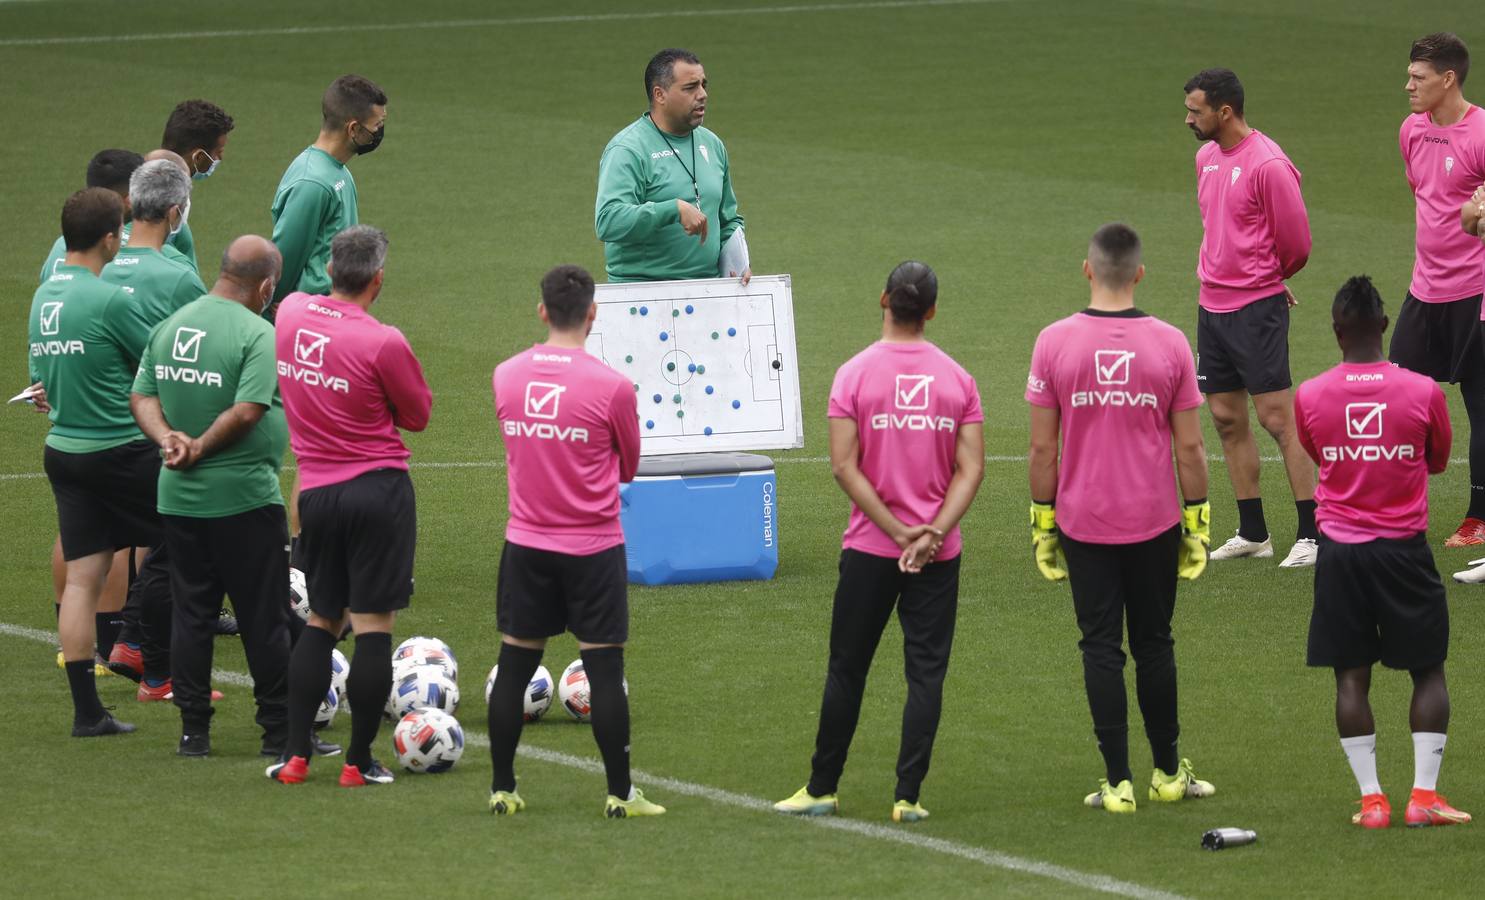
pixel 483 23
pixel 991 858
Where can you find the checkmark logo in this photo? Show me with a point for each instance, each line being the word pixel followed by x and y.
pixel 51 317
pixel 542 398
pixel 912 391
pixel 187 344
pixel 1364 420
pixel 1112 366
pixel 309 348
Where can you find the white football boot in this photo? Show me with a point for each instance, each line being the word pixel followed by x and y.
pixel 1301 555
pixel 1474 575
pixel 1238 547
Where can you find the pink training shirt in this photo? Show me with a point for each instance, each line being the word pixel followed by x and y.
pixel 1377 432
pixel 571 430
pixel 909 401
pixel 1257 232
pixel 1444 166
pixel 348 383
pixel 1115 379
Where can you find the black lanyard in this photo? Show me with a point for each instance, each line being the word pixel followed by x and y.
pixel 691 171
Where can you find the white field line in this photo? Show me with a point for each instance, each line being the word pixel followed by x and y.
pixel 512 22
pixel 989 858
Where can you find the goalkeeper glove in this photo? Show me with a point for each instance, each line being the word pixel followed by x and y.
pixel 1045 544
pixel 1196 537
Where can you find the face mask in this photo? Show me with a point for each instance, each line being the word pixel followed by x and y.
pixel 185 214
pixel 376 140
pixel 209 169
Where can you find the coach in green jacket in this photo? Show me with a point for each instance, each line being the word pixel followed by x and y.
pixel 665 203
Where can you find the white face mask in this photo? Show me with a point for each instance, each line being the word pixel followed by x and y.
pixel 215 161
pixel 185 213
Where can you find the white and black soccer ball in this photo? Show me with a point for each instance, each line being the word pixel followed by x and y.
pixel 428 741
pixel 299 594
pixel 328 707
pixel 573 692
pixel 340 673
pixel 538 692
pixel 424 651
pixel 423 687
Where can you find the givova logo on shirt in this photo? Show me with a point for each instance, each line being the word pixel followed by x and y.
pixel 309 357
pixel 185 347
pixel 910 394
pixel 1364 422
pixel 50 321
pixel 1112 369
pixel 543 399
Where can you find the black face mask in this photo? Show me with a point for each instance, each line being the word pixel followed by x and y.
pixel 376 140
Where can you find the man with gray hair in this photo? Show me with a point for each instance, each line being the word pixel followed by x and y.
pixel 348 384
pixel 665 207
pixel 207 394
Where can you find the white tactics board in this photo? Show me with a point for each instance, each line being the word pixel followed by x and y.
pixel 713 361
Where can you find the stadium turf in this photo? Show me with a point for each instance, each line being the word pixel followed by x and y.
pixel 986 138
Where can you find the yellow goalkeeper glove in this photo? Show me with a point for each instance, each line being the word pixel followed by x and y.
pixel 1045 544
pixel 1196 537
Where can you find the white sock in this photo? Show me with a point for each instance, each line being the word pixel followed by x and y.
pixel 1428 755
pixel 1361 753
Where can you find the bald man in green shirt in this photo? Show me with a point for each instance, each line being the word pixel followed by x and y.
pixel 665 205
pixel 316 198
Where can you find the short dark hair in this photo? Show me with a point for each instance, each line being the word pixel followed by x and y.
pixel 1221 87
pixel 111 169
pixel 912 290
pixel 661 70
pixel 350 97
pixel 567 293
pixel 356 255
pixel 89 216
pixel 193 125
pixel 1444 51
pixel 1114 255
pixel 1358 307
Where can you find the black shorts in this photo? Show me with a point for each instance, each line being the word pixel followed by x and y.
pixel 106 499
pixel 1381 600
pixel 541 593
pixel 1244 350
pixel 357 539
pixel 1440 340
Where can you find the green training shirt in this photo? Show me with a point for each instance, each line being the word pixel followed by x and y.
pixel 211 354
pixel 640 176
pixel 315 201
pixel 159 285
pixel 86 337
pixel 59 252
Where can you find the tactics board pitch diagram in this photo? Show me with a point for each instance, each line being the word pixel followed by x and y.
pixel 712 361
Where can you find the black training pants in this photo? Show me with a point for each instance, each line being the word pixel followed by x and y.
pixel 869 588
pixel 243 557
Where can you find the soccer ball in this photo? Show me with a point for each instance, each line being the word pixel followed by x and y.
pixel 538 692
pixel 326 713
pixel 424 687
pixel 428 740
pixel 573 693
pixel 424 651
pixel 340 672
pixel 299 594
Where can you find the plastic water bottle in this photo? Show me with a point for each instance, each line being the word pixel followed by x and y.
pixel 1222 838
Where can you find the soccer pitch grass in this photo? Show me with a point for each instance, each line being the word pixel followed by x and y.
pixel 986 138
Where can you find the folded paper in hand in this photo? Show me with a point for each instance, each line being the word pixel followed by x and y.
pixel 734 260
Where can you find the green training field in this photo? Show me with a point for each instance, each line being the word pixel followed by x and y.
pixel 987 138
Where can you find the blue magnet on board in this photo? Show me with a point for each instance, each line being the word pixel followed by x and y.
pixel 649 423
pixel 691 367
pixel 732 332
pixel 707 431
pixel 709 389
pixel 737 404
pixel 644 310
pixel 664 336
pixel 690 309
pixel 657 398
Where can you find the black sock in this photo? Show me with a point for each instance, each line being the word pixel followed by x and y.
pixel 309 680
pixel 1155 688
pixel 605 668
pixel 367 688
pixel 1113 743
pixel 1307 529
pixel 107 625
pixel 507 712
pixel 1473 392
pixel 1250 520
pixel 86 707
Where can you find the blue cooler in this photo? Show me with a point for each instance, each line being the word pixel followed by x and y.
pixel 701 517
